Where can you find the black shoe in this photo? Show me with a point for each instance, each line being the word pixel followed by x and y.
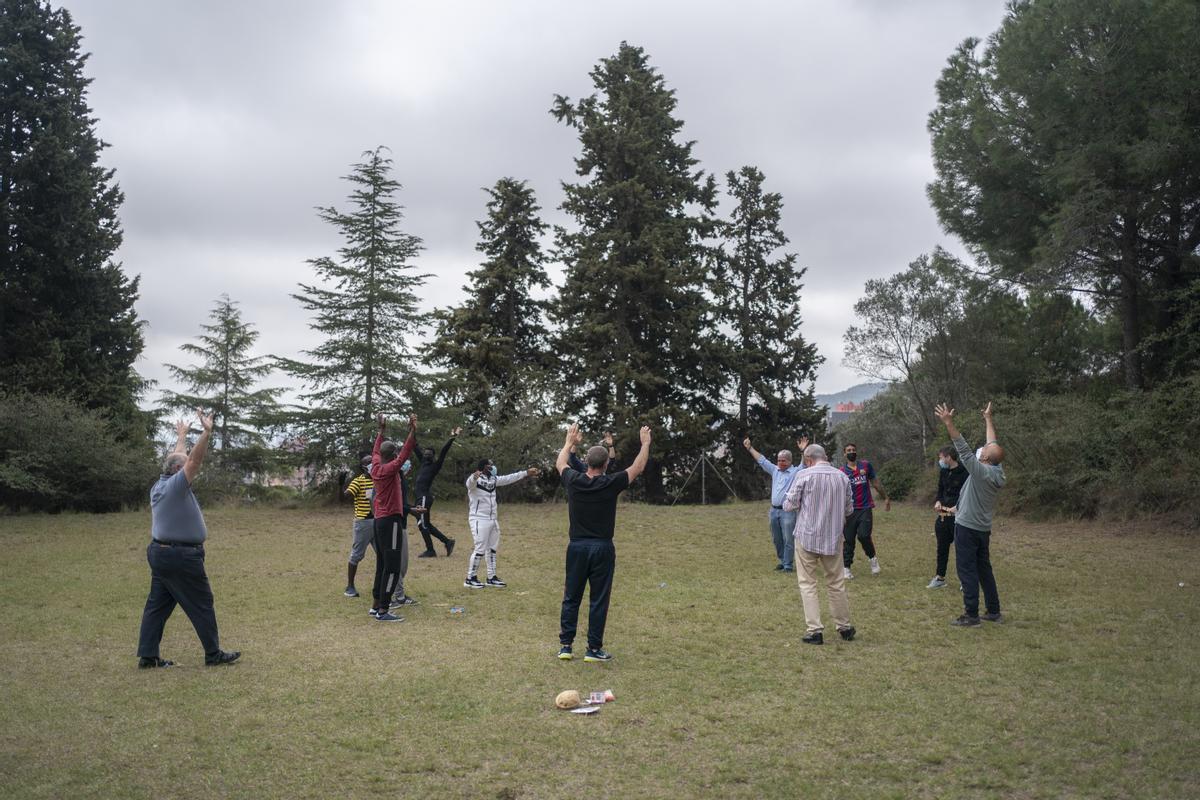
pixel 847 634
pixel 816 637
pixel 449 547
pixel 965 621
pixel 223 657
pixel 473 583
pixel 597 655
pixel 564 653
pixel 146 662
pixel 407 600
pixel 998 618
pixel 427 554
pixel 495 582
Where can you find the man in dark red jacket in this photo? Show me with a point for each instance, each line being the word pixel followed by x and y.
pixel 391 538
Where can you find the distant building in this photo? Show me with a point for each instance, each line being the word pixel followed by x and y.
pixel 840 412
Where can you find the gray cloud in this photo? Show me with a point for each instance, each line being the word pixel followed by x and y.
pixel 230 121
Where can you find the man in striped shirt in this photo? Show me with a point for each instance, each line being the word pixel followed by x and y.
pixel 820 496
pixel 363 491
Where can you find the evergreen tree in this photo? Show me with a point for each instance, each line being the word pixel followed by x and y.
pixel 497 338
pixel 222 383
pixel 67 321
pixel 365 309
pixel 760 303
pixel 637 342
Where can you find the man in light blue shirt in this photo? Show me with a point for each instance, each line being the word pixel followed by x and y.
pixel 783 523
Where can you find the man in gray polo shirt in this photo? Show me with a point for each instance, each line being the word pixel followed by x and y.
pixel 176 554
pixel 973 520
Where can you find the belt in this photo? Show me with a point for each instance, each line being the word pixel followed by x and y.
pixel 166 543
pixel 779 507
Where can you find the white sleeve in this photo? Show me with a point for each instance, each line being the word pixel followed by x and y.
pixel 512 477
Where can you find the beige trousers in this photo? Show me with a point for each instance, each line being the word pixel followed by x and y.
pixel 809 566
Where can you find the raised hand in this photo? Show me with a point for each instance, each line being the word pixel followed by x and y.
pixel 533 472
pixel 608 439
pixel 456 432
pixel 412 422
pixel 181 428
pixel 944 412
pixel 381 421
pixel 746 443
pixel 987 412
pixel 205 422
pixel 644 434
pixel 802 443
pixel 572 434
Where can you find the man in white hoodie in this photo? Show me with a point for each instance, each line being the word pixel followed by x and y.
pixel 481 517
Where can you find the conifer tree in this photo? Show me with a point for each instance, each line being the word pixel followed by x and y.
pixel 636 340
pixel 67 319
pixel 223 382
pixel 759 302
pixel 497 338
pixel 365 307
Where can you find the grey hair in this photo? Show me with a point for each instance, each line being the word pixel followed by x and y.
pixel 173 463
pixel 783 453
pixel 597 456
pixel 816 453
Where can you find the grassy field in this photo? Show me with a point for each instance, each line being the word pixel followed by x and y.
pixel 1089 691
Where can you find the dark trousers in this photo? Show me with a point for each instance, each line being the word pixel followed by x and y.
pixel 590 562
pixel 943 529
pixel 391 553
pixel 177 576
pixel 858 526
pixel 425 525
pixel 972 555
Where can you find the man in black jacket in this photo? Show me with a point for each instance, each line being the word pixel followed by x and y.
pixel 430 467
pixel 951 478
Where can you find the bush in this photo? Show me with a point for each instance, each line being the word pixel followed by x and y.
pixel 57 456
pixel 898 479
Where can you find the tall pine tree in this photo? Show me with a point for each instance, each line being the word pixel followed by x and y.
pixel 223 382
pixel 67 321
pixel 637 341
pixel 773 367
pixel 497 339
pixel 365 308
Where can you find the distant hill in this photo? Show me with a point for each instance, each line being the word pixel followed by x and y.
pixel 855 394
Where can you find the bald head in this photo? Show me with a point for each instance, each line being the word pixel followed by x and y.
pixel 814 453
pixel 173 463
pixel 992 454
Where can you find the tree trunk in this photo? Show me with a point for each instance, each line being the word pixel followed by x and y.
pixel 1130 303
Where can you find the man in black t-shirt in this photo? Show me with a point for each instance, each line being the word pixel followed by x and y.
pixel 591 557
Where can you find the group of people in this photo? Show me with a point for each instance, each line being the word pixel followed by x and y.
pixel 818 512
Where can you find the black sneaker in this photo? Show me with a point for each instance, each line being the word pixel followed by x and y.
pixel 998 618
pixel 847 634
pixel 146 662
pixel 374 612
pixel 350 592
pixel 564 653
pixel 427 554
pixel 473 583
pixel 495 582
pixel 407 600
pixel 816 637
pixel 965 621
pixel 596 655
pixel 387 616
pixel 223 657
pixel 449 547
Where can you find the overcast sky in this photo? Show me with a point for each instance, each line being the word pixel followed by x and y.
pixel 229 121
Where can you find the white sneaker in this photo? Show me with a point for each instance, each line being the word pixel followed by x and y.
pixel 875 566
pixel 847 574
pixel 936 583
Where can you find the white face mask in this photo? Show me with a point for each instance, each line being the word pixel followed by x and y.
pixel 979 455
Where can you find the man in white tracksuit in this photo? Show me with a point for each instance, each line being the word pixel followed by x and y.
pixel 481 517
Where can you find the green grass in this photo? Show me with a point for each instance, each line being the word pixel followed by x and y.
pixel 1089 691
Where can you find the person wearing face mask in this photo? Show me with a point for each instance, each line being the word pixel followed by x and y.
pixel 481 518
pixel 859 524
pixel 973 520
pixel 951 477
pixel 430 467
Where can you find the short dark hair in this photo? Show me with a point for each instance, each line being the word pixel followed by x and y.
pixel 949 451
pixel 483 464
pixel 850 444
pixel 388 450
pixel 597 456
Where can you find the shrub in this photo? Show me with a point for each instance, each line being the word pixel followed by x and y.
pixel 57 456
pixel 898 479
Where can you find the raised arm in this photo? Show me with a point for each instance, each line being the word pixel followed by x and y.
pixel 410 443
pixel 191 467
pixel 757 456
pixel 572 438
pixel 965 456
pixel 608 444
pixel 437 465
pixel 991 425
pixel 639 463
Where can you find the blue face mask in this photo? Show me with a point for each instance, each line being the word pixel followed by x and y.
pixel 492 469
pixel 942 464
pixel 407 466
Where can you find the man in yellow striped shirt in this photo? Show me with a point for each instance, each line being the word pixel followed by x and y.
pixel 363 492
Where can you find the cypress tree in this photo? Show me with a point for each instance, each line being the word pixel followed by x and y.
pixel 637 342
pixel 365 308
pixel 67 321
pixel 496 339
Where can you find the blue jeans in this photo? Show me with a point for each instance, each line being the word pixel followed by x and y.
pixel 783 528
